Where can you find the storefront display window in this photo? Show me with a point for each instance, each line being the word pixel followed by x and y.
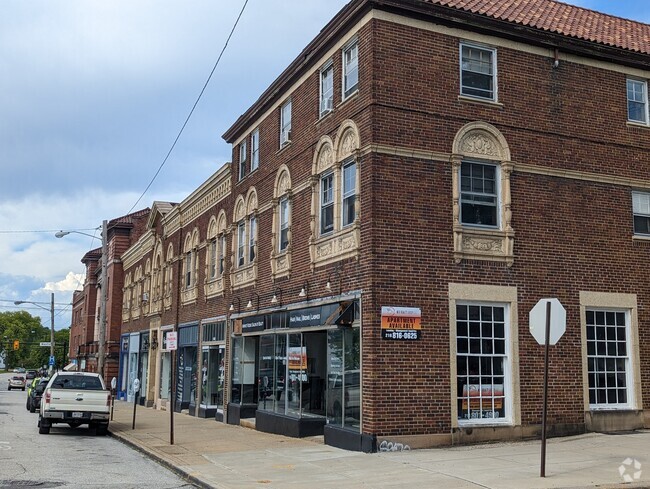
pixel 213 375
pixel 344 378
pixel 165 374
pixel 244 370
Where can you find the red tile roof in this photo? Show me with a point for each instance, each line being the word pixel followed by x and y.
pixel 561 18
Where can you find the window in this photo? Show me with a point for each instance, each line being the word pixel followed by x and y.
pixel 255 149
pixel 326 89
pixel 478 72
pixel 241 243
pixel 242 159
pixel 637 101
pixel 252 234
pixel 608 358
pixel 285 124
pixel 189 265
pixel 350 69
pixel 284 224
pixel 327 203
pixel 481 362
pixel 349 193
pixel 213 259
pixel 222 254
pixel 478 194
pixel 641 210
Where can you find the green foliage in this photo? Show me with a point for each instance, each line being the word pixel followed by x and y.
pixel 27 329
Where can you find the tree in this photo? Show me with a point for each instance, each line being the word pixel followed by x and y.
pixel 28 330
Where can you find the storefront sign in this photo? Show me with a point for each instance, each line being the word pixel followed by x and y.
pixel 253 323
pixel 305 317
pixel 400 323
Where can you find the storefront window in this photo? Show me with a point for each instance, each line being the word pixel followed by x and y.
pixel 143 369
pixel 213 376
pixel 244 380
pixel 344 378
pixel 297 359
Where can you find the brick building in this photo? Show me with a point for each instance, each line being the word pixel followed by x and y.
pixel 123 232
pixel 398 199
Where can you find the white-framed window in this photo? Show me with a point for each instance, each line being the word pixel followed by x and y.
pixel 252 238
pixel 349 193
pixel 608 359
pixel 482 363
pixel 637 101
pixel 212 267
pixel 243 152
pixel 222 254
pixel 479 194
pixel 284 210
pixel 189 267
pixel 326 89
pixel 241 243
pixel 641 211
pixel 350 69
pixel 255 149
pixel 285 124
pixel 478 72
pixel 327 203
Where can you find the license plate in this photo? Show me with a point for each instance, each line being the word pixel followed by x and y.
pixel 77 414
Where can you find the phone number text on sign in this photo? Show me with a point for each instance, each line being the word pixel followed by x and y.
pixel 400 335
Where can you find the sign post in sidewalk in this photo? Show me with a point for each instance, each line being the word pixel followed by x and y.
pixel 136 389
pixel 547 325
pixel 172 346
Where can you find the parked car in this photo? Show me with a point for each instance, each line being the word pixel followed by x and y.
pixel 19 370
pixel 31 374
pixel 36 394
pixel 75 398
pixel 16 382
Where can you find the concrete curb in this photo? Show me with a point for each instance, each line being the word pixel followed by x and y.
pixel 165 463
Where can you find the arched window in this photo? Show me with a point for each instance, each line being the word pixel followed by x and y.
pixel 335 197
pixel 281 233
pixel 244 247
pixel 481 195
pixel 216 255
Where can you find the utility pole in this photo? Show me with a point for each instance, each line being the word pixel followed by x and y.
pixel 52 331
pixel 103 302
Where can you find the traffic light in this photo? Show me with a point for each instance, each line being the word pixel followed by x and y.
pixel 16 344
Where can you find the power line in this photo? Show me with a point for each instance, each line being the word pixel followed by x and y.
pixel 193 107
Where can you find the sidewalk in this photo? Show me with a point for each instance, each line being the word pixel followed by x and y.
pixel 213 454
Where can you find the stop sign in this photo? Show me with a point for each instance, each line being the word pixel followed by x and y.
pixel 537 321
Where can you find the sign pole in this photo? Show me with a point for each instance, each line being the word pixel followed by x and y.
pixel 546 345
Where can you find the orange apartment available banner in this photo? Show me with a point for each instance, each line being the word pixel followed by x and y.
pixel 400 323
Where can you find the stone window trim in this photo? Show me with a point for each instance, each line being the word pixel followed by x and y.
pixel 613 301
pixel 481 142
pixel 189 292
pixel 281 259
pixel 497 295
pixel 155 293
pixel 331 156
pixel 146 289
pixel 126 298
pixel 245 209
pixel 214 284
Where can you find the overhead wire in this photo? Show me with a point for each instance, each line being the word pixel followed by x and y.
pixel 205 85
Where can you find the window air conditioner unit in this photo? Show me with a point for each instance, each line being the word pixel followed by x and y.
pixel 327 105
pixel 286 137
pixel 145 297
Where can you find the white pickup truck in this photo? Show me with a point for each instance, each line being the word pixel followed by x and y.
pixel 75 398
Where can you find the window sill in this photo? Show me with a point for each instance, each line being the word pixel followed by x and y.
pixel 336 246
pixel 244 276
pixel 487 424
pixel 214 287
pixel 283 147
pixel 639 125
pixel 480 101
pixel 349 97
pixel 641 237
pixel 189 295
pixel 324 116
pixel 483 244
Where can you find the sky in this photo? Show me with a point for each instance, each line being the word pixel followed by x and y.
pixel 93 94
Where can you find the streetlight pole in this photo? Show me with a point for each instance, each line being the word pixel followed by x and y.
pixel 101 351
pixel 51 309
